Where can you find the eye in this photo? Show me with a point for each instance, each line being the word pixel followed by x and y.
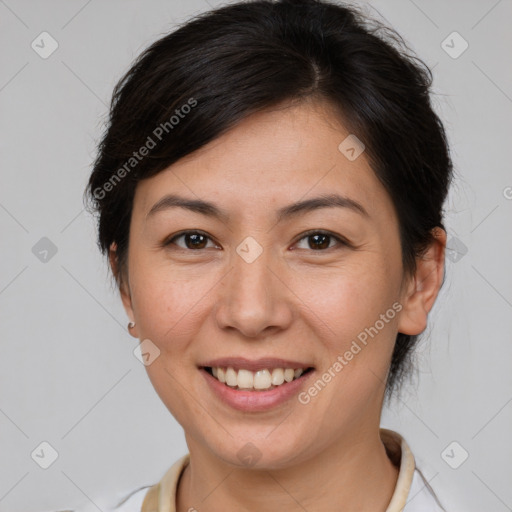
pixel 193 240
pixel 320 240
pixel 197 240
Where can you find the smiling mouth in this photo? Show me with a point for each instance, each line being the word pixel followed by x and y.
pixel 261 380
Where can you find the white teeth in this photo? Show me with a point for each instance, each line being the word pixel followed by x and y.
pixel 231 377
pixel 289 374
pixel 245 379
pixel 277 376
pixel 260 380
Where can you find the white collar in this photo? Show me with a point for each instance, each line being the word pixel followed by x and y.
pixel 161 497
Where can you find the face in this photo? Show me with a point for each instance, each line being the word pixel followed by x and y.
pixel 270 286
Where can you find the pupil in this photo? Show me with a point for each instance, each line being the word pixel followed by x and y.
pixel 322 245
pixel 195 238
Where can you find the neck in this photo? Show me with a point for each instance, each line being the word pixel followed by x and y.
pixel 353 474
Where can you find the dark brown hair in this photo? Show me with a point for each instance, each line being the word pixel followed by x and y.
pixel 200 80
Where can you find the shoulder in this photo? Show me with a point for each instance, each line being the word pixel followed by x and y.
pixel 421 497
pixel 412 493
pixel 132 502
pixel 129 501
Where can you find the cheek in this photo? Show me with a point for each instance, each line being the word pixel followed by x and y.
pixel 349 300
pixel 353 318
pixel 353 311
pixel 168 301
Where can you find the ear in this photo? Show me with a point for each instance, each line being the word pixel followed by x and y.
pixel 124 288
pixel 422 289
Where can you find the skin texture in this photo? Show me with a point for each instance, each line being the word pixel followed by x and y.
pixel 295 301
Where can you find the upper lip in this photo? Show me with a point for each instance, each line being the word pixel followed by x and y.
pixel 238 363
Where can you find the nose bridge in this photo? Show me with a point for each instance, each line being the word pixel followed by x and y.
pixel 251 275
pixel 250 300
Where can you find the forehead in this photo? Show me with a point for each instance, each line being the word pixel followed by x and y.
pixel 270 159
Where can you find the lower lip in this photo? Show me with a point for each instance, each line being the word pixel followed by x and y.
pixel 255 401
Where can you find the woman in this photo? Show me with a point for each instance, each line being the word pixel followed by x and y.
pixel 269 193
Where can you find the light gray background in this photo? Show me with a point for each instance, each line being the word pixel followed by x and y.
pixel 68 375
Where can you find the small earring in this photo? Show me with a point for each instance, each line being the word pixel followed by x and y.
pixel 131 325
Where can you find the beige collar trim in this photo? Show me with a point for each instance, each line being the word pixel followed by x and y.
pixel 396 445
pixel 161 497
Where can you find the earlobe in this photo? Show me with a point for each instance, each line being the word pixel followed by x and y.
pixel 424 286
pixel 123 288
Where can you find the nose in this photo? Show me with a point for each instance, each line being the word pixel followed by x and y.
pixel 253 298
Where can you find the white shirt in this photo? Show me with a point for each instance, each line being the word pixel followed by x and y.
pixel 412 492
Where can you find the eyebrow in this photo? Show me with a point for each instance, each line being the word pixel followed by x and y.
pixel 211 210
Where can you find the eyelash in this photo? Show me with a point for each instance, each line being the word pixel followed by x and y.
pixel 341 241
